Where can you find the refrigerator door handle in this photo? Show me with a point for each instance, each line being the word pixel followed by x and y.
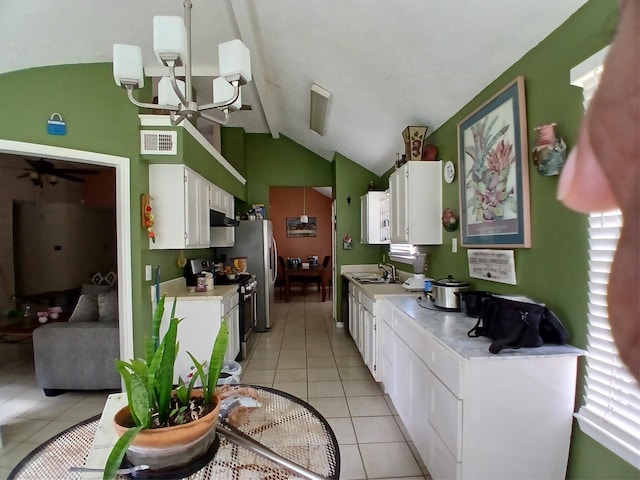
pixel 274 260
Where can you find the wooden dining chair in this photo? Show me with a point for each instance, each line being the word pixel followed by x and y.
pixel 292 278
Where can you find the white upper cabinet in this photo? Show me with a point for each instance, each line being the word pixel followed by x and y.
pixel 415 203
pixel 374 223
pixel 180 202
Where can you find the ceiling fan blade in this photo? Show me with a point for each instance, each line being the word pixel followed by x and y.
pixel 68 177
pixel 24 175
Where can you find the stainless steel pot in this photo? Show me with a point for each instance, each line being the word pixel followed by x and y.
pixel 445 292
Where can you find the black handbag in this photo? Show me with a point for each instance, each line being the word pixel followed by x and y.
pixel 514 324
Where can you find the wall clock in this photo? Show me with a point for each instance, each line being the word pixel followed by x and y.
pixel 449 171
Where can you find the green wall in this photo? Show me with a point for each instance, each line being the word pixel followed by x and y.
pixel 554 269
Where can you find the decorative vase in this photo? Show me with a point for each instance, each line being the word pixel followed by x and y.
pixel 413 141
pixel 170 447
pixel 549 151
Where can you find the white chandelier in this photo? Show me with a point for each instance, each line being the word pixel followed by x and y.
pixel 172 46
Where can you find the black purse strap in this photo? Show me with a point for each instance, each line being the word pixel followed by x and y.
pixel 477 330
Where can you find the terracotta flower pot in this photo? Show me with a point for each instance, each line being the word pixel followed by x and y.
pixel 170 447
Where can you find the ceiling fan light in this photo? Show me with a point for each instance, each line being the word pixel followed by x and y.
pixel 223 92
pixel 318 110
pixel 127 65
pixel 169 39
pixel 52 179
pixel 34 175
pixel 166 94
pixel 234 58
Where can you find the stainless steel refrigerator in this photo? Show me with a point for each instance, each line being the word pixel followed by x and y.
pixel 254 240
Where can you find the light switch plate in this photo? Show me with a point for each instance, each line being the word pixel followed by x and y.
pixel 147 273
pixel 454 245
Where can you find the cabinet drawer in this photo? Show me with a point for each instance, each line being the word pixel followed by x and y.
pixel 440 462
pixel 385 312
pixel 446 365
pixel 367 303
pixel 445 415
pixel 228 302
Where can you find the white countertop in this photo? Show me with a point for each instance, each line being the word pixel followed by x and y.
pixel 178 288
pixel 378 290
pixel 451 329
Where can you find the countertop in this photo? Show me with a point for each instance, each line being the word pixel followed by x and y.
pixel 178 288
pixel 451 329
pixel 378 290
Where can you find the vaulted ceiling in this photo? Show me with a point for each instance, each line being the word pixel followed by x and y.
pixel 388 64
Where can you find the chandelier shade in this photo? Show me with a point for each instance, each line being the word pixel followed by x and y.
pixel 127 65
pixel 170 40
pixel 172 47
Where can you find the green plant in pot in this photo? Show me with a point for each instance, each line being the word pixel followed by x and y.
pixel 162 426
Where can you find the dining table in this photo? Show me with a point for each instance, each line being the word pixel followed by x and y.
pixel 292 431
pixel 316 271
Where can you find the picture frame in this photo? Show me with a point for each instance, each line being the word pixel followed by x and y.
pixel 297 229
pixel 493 172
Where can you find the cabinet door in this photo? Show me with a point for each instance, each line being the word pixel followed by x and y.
pixel 401 376
pixel 398 205
pixel 364 220
pixel 419 380
pixel 222 237
pixel 196 210
pixel 233 348
pixel 370 343
pixel 385 221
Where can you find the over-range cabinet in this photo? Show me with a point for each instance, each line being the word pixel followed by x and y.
pixel 254 240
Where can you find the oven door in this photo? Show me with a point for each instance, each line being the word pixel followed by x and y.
pixel 247 307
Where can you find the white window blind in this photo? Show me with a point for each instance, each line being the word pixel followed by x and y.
pixel 611 411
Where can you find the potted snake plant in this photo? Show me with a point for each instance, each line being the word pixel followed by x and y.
pixel 164 426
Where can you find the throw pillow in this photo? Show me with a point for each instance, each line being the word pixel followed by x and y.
pixel 94 290
pixel 108 307
pixel 86 310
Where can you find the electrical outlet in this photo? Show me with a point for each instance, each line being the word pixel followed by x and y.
pixel 454 245
pixel 147 273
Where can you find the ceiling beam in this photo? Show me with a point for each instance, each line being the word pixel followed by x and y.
pixel 245 26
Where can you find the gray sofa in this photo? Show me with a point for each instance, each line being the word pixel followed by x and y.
pixel 80 354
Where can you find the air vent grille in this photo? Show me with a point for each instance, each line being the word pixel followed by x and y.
pixel 158 142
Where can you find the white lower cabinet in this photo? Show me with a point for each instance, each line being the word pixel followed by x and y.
pixel 232 315
pixel 479 417
pixel 363 327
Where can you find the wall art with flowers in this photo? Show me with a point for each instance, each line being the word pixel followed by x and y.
pixel 494 176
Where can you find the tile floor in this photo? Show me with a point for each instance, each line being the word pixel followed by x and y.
pixel 303 354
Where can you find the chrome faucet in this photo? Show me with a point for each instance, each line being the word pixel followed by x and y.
pixel 389 270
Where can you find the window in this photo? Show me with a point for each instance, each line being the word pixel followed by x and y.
pixel 611 410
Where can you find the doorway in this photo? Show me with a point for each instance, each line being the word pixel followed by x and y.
pixel 123 219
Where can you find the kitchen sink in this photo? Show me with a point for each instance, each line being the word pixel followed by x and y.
pixel 368 277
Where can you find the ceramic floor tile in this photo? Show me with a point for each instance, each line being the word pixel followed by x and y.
pixel 50 430
pixel 385 460
pixel 321 362
pixel 349 361
pixel 262 364
pixel 16 454
pixel 291 375
pixel 323 374
pixel 19 429
pixel 377 430
pixel 325 389
pixel 258 376
pixel 292 362
pixel 343 430
pixel 368 406
pixel 330 407
pixel 297 389
pixel 354 373
pixel 351 467
pixel 359 388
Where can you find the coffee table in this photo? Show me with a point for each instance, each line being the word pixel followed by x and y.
pixel 23 327
pixel 286 424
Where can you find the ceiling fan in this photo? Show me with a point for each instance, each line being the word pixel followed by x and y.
pixel 42 171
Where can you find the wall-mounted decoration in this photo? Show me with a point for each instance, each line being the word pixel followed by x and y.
pixel 449 220
pixel 494 186
pixel 449 171
pixel 550 152
pixel 492 265
pixel 55 125
pixel 347 242
pixel 297 229
pixel 147 216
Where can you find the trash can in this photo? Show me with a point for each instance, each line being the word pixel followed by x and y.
pixel 230 373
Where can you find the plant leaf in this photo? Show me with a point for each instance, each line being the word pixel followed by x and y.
pixel 117 453
pixel 155 329
pixel 217 359
pixel 137 394
pixel 164 375
pixel 199 373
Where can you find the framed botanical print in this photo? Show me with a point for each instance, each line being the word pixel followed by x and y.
pixel 494 175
